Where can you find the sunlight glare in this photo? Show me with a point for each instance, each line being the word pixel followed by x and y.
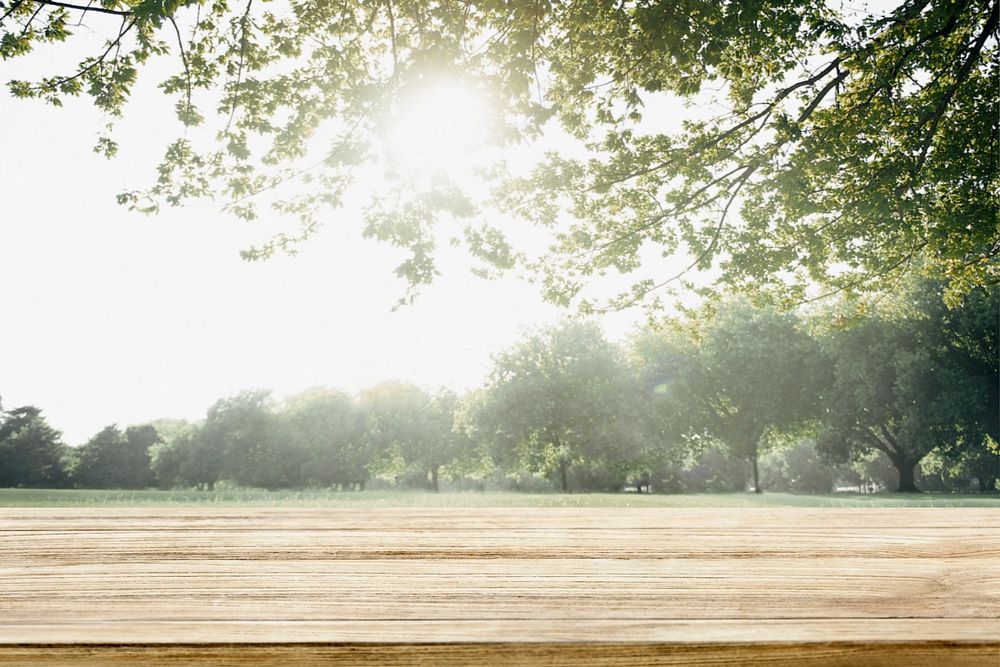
pixel 437 128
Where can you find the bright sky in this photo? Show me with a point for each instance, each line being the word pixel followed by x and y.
pixel 113 317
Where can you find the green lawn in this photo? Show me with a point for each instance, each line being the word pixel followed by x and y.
pixel 316 497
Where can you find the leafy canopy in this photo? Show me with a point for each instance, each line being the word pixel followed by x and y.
pixel 914 378
pixel 30 449
pixel 735 375
pixel 828 148
pixel 560 398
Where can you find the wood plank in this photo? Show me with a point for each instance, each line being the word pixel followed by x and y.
pixel 885 654
pixel 200 586
pixel 587 630
pixel 129 544
pixel 557 589
pixel 825 654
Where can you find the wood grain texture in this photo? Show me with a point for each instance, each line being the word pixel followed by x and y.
pixel 499 586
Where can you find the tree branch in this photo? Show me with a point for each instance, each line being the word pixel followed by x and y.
pixel 725 134
pixel 944 31
pixel 804 116
pixel 883 447
pixel 10 10
pixel 739 183
pixel 83 8
pixel 27 24
pixel 905 259
pixel 674 210
pixel 184 60
pixel 960 76
pixel 239 66
pixel 126 26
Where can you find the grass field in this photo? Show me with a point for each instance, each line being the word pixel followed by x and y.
pixel 322 498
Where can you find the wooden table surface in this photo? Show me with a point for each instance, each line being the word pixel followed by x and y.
pixel 499 586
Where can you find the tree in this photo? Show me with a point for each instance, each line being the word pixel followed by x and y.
pixel 710 469
pixel 737 375
pixel 448 445
pixel 799 469
pixel 855 147
pixel 31 451
pixel 972 347
pixel 408 429
pixel 116 459
pixel 113 459
pixel 558 400
pixel 325 428
pixel 906 383
pixel 236 441
pixel 473 460
pixel 870 471
pixel 168 459
pixel 659 358
pixel 244 428
pixel 201 462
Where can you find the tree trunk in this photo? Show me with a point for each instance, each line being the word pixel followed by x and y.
pixel 906 468
pixel 754 451
pixel 563 479
pixel 434 478
pixel 756 475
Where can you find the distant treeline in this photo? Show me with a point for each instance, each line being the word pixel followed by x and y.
pixel 901 395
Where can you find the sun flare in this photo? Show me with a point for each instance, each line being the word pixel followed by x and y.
pixel 437 128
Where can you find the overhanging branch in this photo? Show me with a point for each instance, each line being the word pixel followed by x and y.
pixel 84 8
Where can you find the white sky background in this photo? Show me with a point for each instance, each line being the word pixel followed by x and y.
pixel 114 317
